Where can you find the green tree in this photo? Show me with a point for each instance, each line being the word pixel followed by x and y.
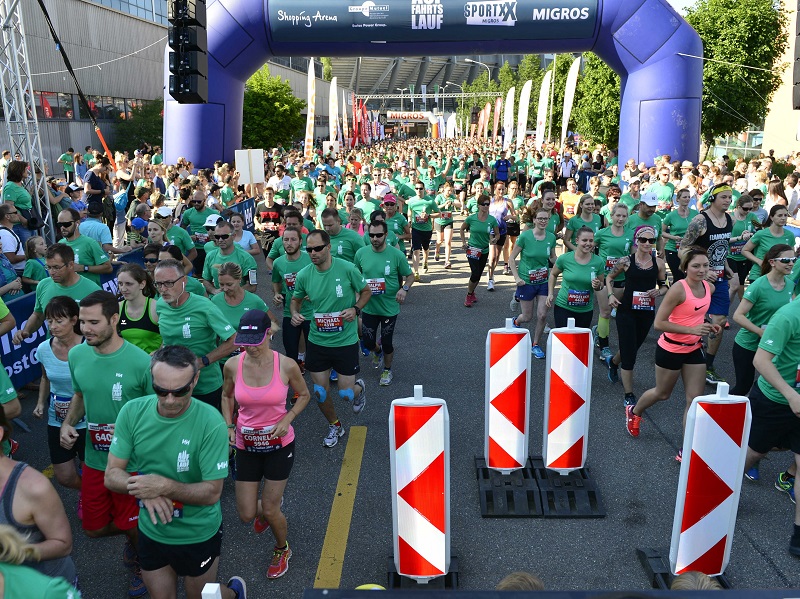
pixel 145 124
pixel 327 68
pixel 271 112
pixel 752 33
pixel 595 114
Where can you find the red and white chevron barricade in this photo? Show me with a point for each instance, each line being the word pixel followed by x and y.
pixel 508 368
pixel 567 393
pixel 419 442
pixel 714 451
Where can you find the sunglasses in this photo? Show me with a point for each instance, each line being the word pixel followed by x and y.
pixel 746 209
pixel 150 260
pixel 420 188
pixel 786 260
pixel 225 236
pixel 311 249
pixel 64 224
pixel 180 392
pixel 485 204
pixel 650 240
pixel 376 235
pixel 196 202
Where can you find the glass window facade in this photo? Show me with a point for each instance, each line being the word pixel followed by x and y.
pixel 151 10
pixel 62 107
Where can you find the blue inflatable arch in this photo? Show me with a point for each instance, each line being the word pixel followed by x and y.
pixel 639 39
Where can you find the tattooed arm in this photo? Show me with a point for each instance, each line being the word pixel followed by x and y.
pixel 697 227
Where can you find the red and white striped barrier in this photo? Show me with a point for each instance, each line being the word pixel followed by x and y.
pixel 714 451
pixel 567 392
pixel 508 367
pixel 419 442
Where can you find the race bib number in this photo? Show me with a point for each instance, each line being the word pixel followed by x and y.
pixel 570 209
pixel 377 286
pixel 100 436
pixel 329 322
pixel 611 262
pixel 642 301
pixel 447 215
pixel 61 406
pixel 537 276
pixel 737 247
pixel 177 509
pixel 719 272
pixel 290 278
pixel 474 253
pixel 577 298
pixel 678 244
pixel 202 237
pixel 421 218
pixel 258 440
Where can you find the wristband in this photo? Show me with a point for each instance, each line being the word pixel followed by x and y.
pixel 231 425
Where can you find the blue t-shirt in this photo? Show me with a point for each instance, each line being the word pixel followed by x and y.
pixel 60 385
pixel 98 231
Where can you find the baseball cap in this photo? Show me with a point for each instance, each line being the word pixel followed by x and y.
pixel 138 223
pixel 73 188
pixel 634 180
pixel 649 198
pixel 212 220
pixel 164 212
pixel 253 328
pixel 687 164
pixel 390 198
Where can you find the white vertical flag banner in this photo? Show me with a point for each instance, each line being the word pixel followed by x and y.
pixel 522 114
pixel 308 149
pixel 345 127
pixel 508 119
pixel 333 112
pixel 451 126
pixel 424 89
pixel 569 96
pixel 541 113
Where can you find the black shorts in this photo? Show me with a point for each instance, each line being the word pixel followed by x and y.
pixel 186 560
pixel 420 240
pixel 252 466
pixel 343 359
pixel 512 229
pixel 773 425
pixel 501 241
pixel 214 398
pixel 740 268
pixel 674 361
pixel 59 455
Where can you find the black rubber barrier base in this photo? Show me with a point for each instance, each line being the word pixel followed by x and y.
pixel 397 581
pixel 536 492
pixel 656 565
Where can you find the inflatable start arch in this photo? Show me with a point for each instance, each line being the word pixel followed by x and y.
pixel 639 39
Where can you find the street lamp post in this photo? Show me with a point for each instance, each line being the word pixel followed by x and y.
pixel 463 115
pixel 488 72
pixel 401 97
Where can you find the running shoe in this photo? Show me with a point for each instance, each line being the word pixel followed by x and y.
pixel 436 256
pixel 786 484
pixel 260 524
pixel 334 376
pixel 280 562
pixel 546 330
pixel 470 300
pixel 514 323
pixel 613 369
pixel 130 559
pixel 416 277
pixel 753 473
pixel 361 399
pixel 364 350
pixel 632 421
pixel 490 285
pixel 448 266
pixel 238 586
pixel 425 266
pixel 386 377
pixel 712 378
pixel 614 313
pixel 514 303
pixel 377 359
pixel 679 457
pixel 630 400
pixel 537 352
pixel 605 353
pixel 334 432
pixel 506 270
pixel 136 588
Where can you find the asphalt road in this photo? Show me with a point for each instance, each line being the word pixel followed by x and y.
pixel 440 345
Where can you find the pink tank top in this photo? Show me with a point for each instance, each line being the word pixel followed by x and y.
pixel 260 408
pixel 690 313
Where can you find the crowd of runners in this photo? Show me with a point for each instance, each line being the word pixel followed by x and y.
pixel 153 396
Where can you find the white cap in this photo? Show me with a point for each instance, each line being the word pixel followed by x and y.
pixel 212 220
pixel 649 198
pixel 164 212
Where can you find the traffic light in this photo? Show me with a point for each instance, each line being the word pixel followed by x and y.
pixel 188 62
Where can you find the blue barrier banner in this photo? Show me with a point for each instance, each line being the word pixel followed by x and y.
pixel 247 208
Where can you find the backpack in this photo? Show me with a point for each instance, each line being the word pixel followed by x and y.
pixel 121 198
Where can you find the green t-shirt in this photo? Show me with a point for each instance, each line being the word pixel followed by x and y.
pixel 534 257
pixel 576 293
pixel 216 258
pixel 611 248
pixel 156 159
pixel 226 195
pixel 107 382
pixel 748 223
pixel 763 240
pixel 383 272
pixel 397 224
pixel 196 287
pixel 191 448
pixel 35 269
pixel 87 252
pixel 284 272
pixel 460 175
pixel 664 193
pixel 233 314
pixel 47 289
pixel 330 292
pixel 197 223
pixel 345 244
pixel 635 221
pixel 277 250
pixel 781 339
pixel 18 195
pixel 446 207
pixel 22 582
pixel 677 225
pixel 196 324
pixel 367 207
pixel 576 222
pixel 299 184
pixel 420 211
pixel 481 231
pixel 68 162
pixel 766 302
pixel 180 238
pixel 632 203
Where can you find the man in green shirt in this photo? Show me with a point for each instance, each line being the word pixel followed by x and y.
pixel 420 209
pixel 302 182
pixel 195 322
pixel 63 280
pixel 228 251
pixel 90 259
pixel 382 267
pixel 67 161
pixel 180 448
pixel 337 291
pixel 662 188
pixel 367 204
pixel 107 372
pixel 344 242
pixel 194 221
pixel 284 273
pixel 176 236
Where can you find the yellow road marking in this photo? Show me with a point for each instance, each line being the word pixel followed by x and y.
pixel 48 472
pixel 331 559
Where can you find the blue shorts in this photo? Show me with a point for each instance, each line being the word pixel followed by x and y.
pixel 720 300
pixel 526 293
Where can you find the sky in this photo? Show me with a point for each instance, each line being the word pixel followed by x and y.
pixel 679 5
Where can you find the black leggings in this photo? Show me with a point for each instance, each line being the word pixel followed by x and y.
pixel 742 269
pixel 583 320
pixel 745 371
pixel 476 267
pixel 291 337
pixel 633 326
pixel 674 262
pixel 369 331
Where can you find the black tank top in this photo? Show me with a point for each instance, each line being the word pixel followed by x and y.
pixel 716 241
pixel 638 280
pixel 145 323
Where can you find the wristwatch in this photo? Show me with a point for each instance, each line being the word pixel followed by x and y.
pixel 205 360
pixel 406 287
pixel 85 268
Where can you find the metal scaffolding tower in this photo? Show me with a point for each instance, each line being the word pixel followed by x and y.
pixel 20 110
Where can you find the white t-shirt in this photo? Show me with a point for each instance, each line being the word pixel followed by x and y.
pixel 13 245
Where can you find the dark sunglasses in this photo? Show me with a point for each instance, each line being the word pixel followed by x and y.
pixel 315 248
pixel 746 209
pixel 485 204
pixel 196 202
pixel 376 235
pixel 420 188
pixel 225 236
pixel 786 260
pixel 150 260
pixel 650 240
pixel 180 392
pixel 68 223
